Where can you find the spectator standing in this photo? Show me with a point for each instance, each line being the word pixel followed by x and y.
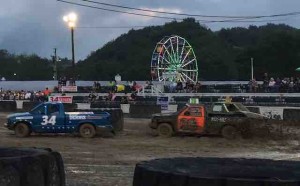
pixel 46 93
pixel 197 87
pixel 277 84
pixel 266 82
pixel 272 85
pixel 291 85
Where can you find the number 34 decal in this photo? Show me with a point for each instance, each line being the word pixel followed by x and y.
pixel 47 120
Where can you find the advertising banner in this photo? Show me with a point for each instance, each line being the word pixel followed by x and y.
pixel 63 99
pixel 163 102
pixel 69 88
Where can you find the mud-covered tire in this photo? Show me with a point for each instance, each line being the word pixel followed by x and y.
pixel 165 130
pixel 229 132
pixel 153 132
pixel 87 131
pixel 216 172
pixel 22 130
pixel 31 167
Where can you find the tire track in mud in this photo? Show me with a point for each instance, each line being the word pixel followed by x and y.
pixel 86 170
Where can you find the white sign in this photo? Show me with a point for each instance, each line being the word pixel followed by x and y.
pixel 272 112
pixel 63 99
pixel 69 88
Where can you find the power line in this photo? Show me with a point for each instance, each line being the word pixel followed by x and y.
pixel 129 27
pixel 119 11
pixel 112 27
pixel 194 15
pixel 241 19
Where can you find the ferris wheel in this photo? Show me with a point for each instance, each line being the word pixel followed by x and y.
pixel 174 59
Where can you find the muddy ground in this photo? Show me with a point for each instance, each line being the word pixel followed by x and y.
pixel 110 161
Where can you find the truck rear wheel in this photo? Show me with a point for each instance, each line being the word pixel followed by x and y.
pixel 165 130
pixel 229 132
pixel 87 131
pixel 22 130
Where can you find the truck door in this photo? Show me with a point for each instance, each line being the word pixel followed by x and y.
pixel 55 119
pixel 38 114
pixel 192 119
pixel 47 118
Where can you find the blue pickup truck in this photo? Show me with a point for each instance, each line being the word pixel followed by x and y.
pixel 50 117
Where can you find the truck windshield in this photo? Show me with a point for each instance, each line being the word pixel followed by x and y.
pixel 241 107
pixel 40 109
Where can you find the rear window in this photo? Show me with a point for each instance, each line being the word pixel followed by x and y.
pixel 217 108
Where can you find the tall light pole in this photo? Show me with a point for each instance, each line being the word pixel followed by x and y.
pixel 252 70
pixel 71 20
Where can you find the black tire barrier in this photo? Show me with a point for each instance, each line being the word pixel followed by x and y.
pixel 216 172
pixel 180 106
pixel 117 116
pixel 27 106
pixel 31 167
pixel 143 111
pixel 291 114
pixel 254 109
pixel 69 107
pixel 105 104
pixel 8 106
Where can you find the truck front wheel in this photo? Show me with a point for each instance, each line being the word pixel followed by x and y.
pixel 22 130
pixel 229 132
pixel 165 130
pixel 87 131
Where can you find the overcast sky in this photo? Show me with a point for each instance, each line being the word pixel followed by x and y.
pixel 36 26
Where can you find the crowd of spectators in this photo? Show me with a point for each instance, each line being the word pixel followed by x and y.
pixel 278 85
pixel 113 88
pixel 25 95
pixel 187 87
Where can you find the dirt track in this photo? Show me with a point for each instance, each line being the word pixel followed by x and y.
pixel 110 161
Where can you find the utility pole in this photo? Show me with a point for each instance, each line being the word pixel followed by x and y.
pixel 252 69
pixel 54 65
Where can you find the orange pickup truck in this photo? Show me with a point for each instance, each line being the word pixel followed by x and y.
pixel 221 118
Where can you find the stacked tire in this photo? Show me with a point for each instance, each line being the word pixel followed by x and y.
pixel 8 106
pixel 31 167
pixel 143 110
pixel 105 104
pixel 68 107
pixel 216 172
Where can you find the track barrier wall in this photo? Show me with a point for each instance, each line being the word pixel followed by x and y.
pixel 291 114
pixel 27 106
pixel 8 106
pixel 146 109
pixel 105 104
pixel 143 111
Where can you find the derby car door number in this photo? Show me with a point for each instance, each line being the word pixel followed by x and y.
pixel 47 120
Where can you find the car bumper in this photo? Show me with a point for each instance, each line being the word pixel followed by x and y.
pixel 10 127
pixel 152 125
pixel 103 129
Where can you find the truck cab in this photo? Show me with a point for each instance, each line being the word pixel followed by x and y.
pixel 50 117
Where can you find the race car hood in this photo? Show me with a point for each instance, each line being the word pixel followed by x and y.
pixel 162 114
pixel 254 115
pixel 21 114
